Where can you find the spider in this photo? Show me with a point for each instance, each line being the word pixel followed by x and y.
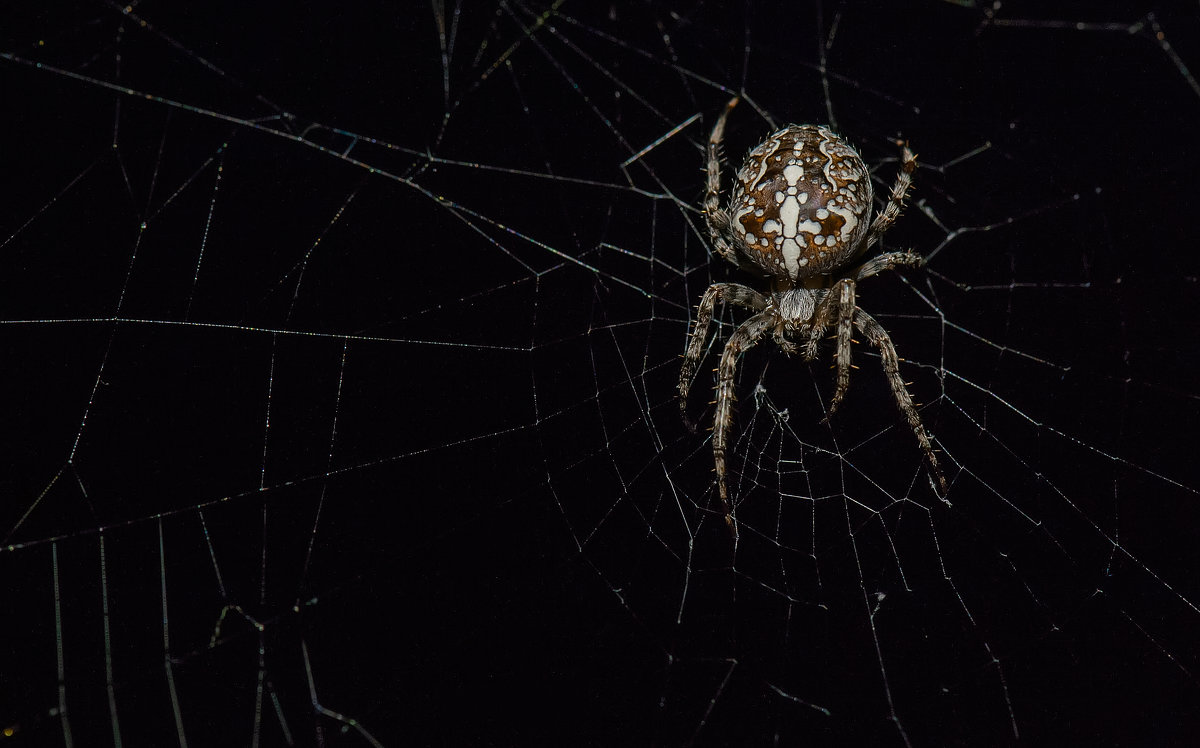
pixel 800 214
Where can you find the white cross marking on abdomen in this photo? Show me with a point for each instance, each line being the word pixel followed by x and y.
pixel 789 215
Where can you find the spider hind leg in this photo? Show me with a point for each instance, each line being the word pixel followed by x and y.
pixel 720 225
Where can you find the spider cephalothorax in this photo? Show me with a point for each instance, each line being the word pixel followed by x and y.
pixel 800 214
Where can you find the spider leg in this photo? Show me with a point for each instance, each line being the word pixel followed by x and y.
pixel 842 300
pixel 750 332
pixel 720 225
pixel 891 367
pixel 822 318
pixel 734 293
pixel 887 216
pixel 877 265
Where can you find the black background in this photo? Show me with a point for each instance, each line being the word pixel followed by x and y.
pixel 369 363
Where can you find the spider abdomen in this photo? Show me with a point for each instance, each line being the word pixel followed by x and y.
pixel 802 203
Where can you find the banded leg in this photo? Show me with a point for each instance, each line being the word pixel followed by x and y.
pixel 890 212
pixel 744 338
pixel 822 318
pixel 720 225
pixel 891 367
pixel 877 265
pixel 734 293
pixel 841 299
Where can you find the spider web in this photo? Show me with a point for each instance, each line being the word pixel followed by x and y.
pixel 341 350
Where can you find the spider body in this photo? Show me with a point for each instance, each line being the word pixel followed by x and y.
pixel 800 214
pixel 802 203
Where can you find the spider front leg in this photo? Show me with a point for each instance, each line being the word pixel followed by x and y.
pixel 734 293
pixel 841 303
pixel 841 299
pixel 751 331
pixel 879 338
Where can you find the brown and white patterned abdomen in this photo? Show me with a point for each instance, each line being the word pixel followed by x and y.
pixel 802 203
